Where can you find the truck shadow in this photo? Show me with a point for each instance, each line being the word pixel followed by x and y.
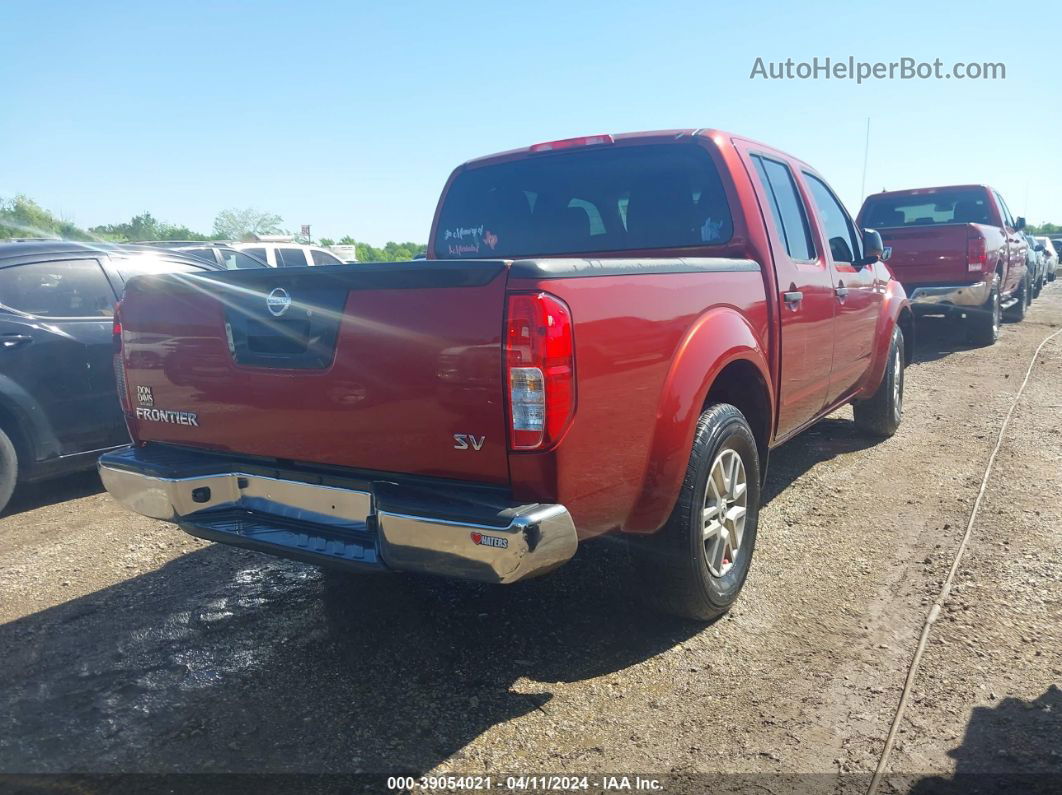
pixel 826 439
pixel 224 660
pixel 1012 747
pixel 51 491
pixel 937 337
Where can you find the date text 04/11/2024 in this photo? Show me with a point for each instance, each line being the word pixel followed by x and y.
pixel 525 783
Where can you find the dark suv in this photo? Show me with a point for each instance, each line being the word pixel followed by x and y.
pixel 58 404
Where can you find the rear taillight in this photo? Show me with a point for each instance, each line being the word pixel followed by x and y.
pixel 540 364
pixel 976 252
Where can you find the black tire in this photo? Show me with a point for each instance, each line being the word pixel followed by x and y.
pixel 984 325
pixel 1039 287
pixel 1017 313
pixel 1051 277
pixel 673 563
pixel 8 469
pixel 880 414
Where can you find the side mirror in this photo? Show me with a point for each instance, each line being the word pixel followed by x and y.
pixel 873 248
pixel 1020 223
pixel 1039 247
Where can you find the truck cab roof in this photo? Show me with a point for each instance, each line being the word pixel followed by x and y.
pixel 639 137
pixel 934 189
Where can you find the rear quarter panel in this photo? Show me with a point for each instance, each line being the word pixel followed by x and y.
pixel 996 252
pixel 647 347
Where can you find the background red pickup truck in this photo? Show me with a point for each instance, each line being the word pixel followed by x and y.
pixel 610 335
pixel 957 250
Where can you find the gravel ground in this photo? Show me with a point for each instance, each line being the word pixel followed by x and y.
pixel 128 646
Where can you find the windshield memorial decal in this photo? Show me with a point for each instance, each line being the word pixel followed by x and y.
pixel 464 240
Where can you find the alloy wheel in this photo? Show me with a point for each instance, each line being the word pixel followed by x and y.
pixel 723 515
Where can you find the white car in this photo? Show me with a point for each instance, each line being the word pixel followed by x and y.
pixel 289 255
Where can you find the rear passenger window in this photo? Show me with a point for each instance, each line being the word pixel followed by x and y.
pixel 840 234
pixel 204 254
pixel 786 207
pixel 290 258
pixel 260 253
pixel 67 288
pixel 324 258
pixel 237 259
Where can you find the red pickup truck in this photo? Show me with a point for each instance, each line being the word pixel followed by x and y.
pixel 609 335
pixel 957 250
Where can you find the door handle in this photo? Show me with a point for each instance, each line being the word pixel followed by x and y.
pixel 793 298
pixel 841 292
pixel 9 341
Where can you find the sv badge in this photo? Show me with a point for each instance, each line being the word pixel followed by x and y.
pixel 466 441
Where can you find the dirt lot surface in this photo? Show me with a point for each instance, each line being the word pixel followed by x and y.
pixel 128 646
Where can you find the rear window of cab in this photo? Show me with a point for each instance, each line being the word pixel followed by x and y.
pixel 595 199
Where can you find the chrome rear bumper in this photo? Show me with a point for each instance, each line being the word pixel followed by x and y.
pixel 346 527
pixel 966 296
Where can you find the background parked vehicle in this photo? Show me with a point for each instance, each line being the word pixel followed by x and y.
pixel 58 402
pixel 1051 252
pixel 620 354
pixel 225 257
pixel 957 250
pixel 1036 263
pixel 289 255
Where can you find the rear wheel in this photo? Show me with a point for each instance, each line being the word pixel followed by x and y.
pixel 8 469
pixel 984 324
pixel 1016 313
pixel 696 565
pixel 880 414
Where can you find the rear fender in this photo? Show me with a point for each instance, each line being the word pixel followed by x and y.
pixel 895 309
pixel 721 336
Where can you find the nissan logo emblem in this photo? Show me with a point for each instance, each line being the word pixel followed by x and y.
pixel 278 301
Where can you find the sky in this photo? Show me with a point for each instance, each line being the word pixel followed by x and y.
pixel 349 116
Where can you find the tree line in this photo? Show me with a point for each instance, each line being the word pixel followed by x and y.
pixel 22 217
